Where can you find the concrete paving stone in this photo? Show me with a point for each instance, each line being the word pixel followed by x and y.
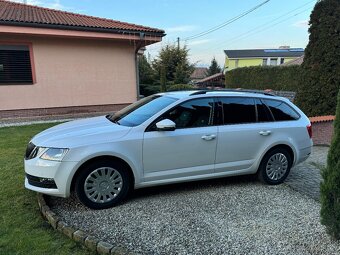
pixel 305 177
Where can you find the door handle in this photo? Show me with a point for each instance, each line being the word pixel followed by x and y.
pixel 265 133
pixel 208 137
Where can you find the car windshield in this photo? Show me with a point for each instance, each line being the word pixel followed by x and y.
pixel 138 112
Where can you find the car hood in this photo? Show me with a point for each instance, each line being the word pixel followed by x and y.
pixel 80 132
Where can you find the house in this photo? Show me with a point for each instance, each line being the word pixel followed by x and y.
pixel 295 62
pixel 213 81
pixel 57 62
pixel 198 74
pixel 260 57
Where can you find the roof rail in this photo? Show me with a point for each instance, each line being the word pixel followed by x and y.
pixel 204 91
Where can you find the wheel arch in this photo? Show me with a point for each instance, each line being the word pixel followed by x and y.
pixel 103 157
pixel 287 147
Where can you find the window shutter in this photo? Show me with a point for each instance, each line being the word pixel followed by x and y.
pixel 15 65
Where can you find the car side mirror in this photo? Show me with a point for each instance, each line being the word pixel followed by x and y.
pixel 166 125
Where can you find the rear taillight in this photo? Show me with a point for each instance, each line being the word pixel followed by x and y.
pixel 310 132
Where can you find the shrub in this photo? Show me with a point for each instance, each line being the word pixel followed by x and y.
pixel 177 87
pixel 264 77
pixel 330 187
pixel 320 80
pixel 147 89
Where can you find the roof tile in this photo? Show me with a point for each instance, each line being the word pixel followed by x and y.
pixel 212 77
pixel 322 118
pixel 199 73
pixel 297 61
pixel 11 12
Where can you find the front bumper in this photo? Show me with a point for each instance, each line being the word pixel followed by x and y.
pixel 60 172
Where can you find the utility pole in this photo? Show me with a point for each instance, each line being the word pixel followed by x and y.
pixel 178 42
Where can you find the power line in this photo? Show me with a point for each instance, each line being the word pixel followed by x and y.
pixel 216 27
pixel 266 26
pixel 256 29
pixel 225 23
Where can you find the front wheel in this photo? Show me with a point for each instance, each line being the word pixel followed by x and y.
pixel 102 184
pixel 275 166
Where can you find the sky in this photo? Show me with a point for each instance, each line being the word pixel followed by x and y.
pixel 275 23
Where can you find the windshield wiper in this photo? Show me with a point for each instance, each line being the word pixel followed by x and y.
pixel 111 118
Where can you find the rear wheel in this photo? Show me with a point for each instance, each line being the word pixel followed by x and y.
pixel 102 184
pixel 275 166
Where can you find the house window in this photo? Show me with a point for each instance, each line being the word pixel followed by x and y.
pixel 15 65
pixel 264 62
pixel 273 61
pixel 236 63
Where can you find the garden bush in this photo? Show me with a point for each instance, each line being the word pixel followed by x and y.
pixel 147 89
pixel 264 77
pixel 330 187
pixel 177 87
pixel 320 79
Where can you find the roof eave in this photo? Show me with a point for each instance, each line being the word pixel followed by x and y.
pixel 268 56
pixel 81 28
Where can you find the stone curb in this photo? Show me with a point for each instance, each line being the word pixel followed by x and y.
pixel 78 235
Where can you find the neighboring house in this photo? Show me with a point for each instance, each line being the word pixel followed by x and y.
pixel 298 61
pixel 213 81
pixel 260 57
pixel 282 93
pixel 198 74
pixel 56 62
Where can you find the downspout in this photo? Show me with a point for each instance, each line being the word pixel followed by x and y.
pixel 139 45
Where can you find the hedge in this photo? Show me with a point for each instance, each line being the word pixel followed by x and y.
pixel 147 89
pixel 178 87
pixel 329 188
pixel 320 80
pixel 264 77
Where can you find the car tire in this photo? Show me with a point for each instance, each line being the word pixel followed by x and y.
pixel 275 166
pixel 102 184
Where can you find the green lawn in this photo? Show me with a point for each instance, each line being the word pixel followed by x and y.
pixel 22 229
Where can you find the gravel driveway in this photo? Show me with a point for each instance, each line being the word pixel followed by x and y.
pixel 305 177
pixel 226 216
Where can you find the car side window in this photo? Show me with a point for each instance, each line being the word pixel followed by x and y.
pixel 238 110
pixel 263 113
pixel 281 111
pixel 191 114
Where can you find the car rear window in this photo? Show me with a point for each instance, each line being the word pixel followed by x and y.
pixel 263 113
pixel 238 110
pixel 281 111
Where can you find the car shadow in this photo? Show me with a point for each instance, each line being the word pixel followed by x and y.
pixel 191 186
pixel 163 190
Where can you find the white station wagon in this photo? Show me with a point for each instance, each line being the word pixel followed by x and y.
pixel 169 138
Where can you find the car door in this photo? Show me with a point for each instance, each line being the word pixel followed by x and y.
pixel 189 149
pixel 241 134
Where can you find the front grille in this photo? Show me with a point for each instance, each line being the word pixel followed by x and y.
pixel 31 151
pixel 47 183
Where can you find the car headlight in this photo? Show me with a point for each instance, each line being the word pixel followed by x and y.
pixel 55 154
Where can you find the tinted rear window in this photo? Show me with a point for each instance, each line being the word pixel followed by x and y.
pixel 238 110
pixel 281 111
pixel 263 113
